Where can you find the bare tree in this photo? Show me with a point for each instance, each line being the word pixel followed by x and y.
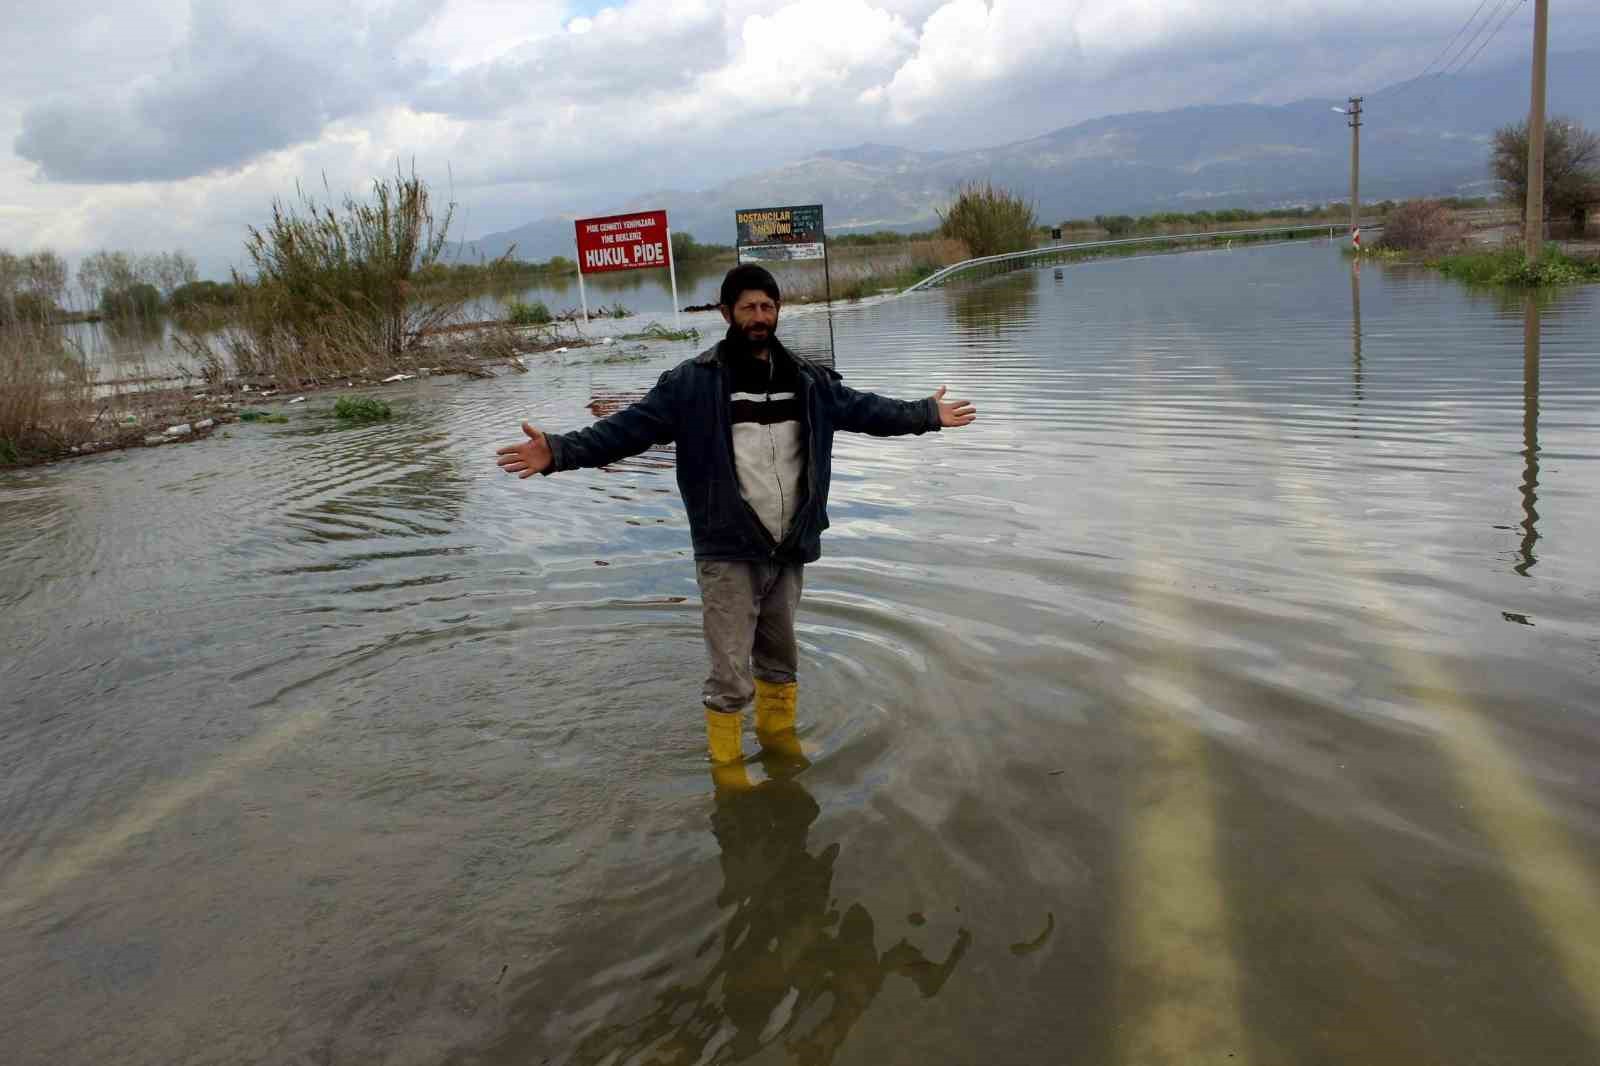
pixel 167 271
pixel 44 274
pixel 102 272
pixel 1422 226
pixel 32 285
pixel 1571 165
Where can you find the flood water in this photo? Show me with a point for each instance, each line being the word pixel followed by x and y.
pixel 150 347
pixel 1226 694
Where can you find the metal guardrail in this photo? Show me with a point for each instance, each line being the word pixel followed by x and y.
pixel 1055 249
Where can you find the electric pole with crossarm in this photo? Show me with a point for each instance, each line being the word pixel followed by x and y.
pixel 1355 169
pixel 1354 114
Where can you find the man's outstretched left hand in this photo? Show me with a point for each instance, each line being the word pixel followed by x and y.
pixel 954 413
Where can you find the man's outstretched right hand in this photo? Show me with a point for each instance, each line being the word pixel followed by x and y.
pixel 528 457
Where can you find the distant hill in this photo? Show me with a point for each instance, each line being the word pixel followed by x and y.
pixel 1425 138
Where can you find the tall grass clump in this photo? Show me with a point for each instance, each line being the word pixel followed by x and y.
pixel 334 287
pixel 989 220
pixel 46 395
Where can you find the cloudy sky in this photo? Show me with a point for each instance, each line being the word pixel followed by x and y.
pixel 152 124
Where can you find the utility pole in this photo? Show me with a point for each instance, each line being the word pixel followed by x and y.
pixel 1533 214
pixel 1355 169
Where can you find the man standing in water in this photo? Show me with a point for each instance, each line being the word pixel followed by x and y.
pixel 753 424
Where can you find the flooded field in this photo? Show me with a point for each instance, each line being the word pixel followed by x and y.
pixel 141 347
pixel 1227 694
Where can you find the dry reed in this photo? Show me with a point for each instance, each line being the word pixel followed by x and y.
pixel 47 397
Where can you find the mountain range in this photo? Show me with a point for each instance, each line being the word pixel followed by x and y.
pixel 1422 138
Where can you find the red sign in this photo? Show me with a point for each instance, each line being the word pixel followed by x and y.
pixel 623 242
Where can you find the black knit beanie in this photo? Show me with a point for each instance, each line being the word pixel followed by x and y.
pixel 748 276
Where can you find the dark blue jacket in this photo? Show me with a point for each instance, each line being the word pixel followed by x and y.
pixel 688 407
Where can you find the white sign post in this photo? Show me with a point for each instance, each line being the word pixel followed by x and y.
pixel 582 295
pixel 672 269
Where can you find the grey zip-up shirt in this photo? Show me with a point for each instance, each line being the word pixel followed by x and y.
pixel 769 440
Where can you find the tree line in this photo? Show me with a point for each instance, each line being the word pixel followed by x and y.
pixel 39 287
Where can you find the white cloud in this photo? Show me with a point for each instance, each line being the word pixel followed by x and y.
pixel 246 80
pixel 968 49
pixel 466 33
pixel 179 120
pixel 806 49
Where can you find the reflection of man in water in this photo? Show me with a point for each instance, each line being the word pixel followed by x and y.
pixel 753 424
pixel 787 953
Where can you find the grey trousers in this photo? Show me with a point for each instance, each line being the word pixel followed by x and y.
pixel 749 613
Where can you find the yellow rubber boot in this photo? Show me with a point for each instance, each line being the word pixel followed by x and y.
pixel 723 729
pixel 775 707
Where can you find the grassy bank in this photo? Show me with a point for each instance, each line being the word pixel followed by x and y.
pixel 1337 214
pixel 1512 267
pixel 865 269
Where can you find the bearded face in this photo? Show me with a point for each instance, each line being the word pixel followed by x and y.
pixel 752 320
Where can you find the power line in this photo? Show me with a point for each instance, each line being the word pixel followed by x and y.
pixel 1501 25
pixel 1486 32
pixel 1477 34
pixel 1473 38
pixel 1454 39
pixel 1409 82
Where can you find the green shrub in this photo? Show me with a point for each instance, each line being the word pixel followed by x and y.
pixel 989 220
pixel 361 409
pixel 139 300
pixel 202 294
pixel 9 456
pixel 1117 225
pixel 525 314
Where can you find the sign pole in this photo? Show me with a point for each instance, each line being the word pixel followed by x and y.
pixel 827 288
pixel 581 294
pixel 672 268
